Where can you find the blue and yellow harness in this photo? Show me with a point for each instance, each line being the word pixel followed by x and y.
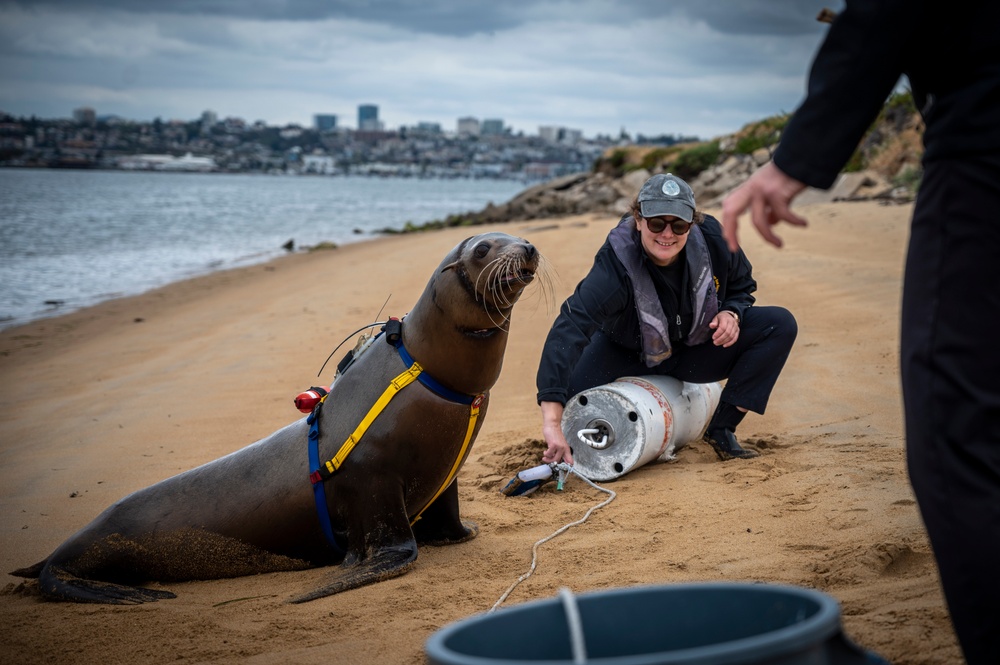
pixel 320 472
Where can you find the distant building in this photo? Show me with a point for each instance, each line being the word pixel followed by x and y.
pixel 208 121
pixel 492 127
pixel 570 136
pixel 234 125
pixel 167 163
pixel 318 164
pixel 429 127
pixel 555 134
pixel 84 116
pixel 368 118
pixel 468 126
pixel 549 133
pixel 325 122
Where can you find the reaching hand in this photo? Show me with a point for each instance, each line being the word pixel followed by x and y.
pixel 768 194
pixel 558 449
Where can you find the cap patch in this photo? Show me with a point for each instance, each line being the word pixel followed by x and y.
pixel 671 188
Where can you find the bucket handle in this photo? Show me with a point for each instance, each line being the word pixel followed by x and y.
pixel 597 445
pixel 576 638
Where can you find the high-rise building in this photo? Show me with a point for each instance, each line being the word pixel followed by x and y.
pixel 325 122
pixel 208 121
pixel 468 126
pixel 429 127
pixel 556 134
pixel 549 133
pixel 492 127
pixel 368 118
pixel 84 116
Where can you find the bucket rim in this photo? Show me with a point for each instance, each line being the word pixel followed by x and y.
pixel 822 625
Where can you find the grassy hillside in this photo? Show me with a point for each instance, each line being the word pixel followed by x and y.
pixel 892 147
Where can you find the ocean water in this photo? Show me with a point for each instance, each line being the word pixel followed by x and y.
pixel 71 239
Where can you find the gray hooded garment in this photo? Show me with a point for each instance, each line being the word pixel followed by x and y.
pixel 653 324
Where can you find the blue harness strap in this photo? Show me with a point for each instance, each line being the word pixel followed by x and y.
pixel 319 493
pixel 319 472
pixel 428 380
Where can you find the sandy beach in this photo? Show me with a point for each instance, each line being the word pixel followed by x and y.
pixel 102 402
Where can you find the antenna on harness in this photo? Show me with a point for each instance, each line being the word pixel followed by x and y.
pixel 370 325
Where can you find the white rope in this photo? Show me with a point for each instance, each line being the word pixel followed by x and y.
pixel 564 468
pixel 575 625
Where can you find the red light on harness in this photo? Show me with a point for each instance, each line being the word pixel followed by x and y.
pixel 307 401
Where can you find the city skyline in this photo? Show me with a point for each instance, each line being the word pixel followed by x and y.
pixel 684 67
pixel 85 115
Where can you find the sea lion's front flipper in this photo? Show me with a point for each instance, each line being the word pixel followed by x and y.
pixel 384 564
pixel 440 524
pixel 58 584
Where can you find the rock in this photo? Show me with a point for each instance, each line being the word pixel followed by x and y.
pixel 632 182
pixel 860 186
pixel 761 156
pixel 601 192
pixel 712 184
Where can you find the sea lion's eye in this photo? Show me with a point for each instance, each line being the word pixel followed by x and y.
pixel 481 250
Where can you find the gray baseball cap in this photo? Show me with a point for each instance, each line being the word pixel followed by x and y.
pixel 666 194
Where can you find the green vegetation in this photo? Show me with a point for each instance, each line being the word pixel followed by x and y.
pixel 467 219
pixel 762 134
pixel 652 159
pixel 855 163
pixel 694 160
pixel 320 246
pixel 900 100
pixel 616 160
pixel 909 178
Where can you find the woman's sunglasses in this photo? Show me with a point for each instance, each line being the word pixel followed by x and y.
pixel 678 226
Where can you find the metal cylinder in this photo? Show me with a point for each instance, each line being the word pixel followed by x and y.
pixel 615 428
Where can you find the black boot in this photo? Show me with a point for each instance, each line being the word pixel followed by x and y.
pixel 720 433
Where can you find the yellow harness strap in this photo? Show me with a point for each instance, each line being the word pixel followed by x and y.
pixel 397 384
pixel 473 417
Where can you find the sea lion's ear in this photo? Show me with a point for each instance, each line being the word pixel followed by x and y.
pixel 450 266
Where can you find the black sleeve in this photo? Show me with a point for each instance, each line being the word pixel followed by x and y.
pixel 740 284
pixel 733 270
pixel 855 69
pixel 601 296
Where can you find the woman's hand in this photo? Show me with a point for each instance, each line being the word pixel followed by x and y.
pixel 558 448
pixel 726 325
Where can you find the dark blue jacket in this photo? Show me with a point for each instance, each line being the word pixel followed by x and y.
pixel 604 301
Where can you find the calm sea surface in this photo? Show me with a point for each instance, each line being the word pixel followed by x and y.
pixel 76 238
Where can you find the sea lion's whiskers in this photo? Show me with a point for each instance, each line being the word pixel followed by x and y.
pixel 492 274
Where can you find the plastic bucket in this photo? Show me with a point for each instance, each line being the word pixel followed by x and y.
pixel 697 624
pixel 615 428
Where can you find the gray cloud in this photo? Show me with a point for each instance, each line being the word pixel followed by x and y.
pixel 461 18
pixel 444 17
pixel 685 67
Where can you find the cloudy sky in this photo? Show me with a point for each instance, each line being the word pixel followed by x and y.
pixel 690 67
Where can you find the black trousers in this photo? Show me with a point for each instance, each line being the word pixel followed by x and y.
pixel 951 388
pixel 751 365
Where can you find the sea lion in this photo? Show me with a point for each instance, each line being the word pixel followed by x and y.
pixel 257 509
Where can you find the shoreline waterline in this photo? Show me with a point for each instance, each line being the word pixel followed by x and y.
pixel 74 239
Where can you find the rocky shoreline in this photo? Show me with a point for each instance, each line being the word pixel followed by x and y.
pixel 886 168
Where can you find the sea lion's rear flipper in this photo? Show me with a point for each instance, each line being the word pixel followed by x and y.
pixel 384 564
pixel 57 584
pixel 31 572
pixel 440 523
